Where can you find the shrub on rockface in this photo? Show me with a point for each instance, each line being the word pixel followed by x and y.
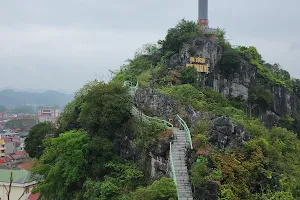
pixel 189 75
pixel 230 62
pixel 260 96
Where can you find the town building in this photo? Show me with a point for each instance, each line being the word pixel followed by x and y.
pixel 13 160
pixel 22 184
pixel 50 111
pixel 2 148
pixel 12 143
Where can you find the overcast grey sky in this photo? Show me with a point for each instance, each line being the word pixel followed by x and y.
pixel 62 44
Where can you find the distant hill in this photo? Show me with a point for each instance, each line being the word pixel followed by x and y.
pixel 10 98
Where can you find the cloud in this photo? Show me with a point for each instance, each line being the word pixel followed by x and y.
pixel 60 45
pixel 63 57
pixel 295 47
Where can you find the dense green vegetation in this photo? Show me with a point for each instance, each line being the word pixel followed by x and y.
pixel 85 160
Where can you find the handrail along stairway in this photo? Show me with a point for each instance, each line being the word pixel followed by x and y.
pixel 180 193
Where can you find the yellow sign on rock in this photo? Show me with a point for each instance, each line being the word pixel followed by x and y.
pixel 198 63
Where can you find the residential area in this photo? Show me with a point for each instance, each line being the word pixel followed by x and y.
pixel 15 163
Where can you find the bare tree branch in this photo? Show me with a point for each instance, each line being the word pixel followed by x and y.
pixel 23 193
pixel 9 187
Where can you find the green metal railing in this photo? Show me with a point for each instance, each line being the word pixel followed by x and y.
pixel 148 118
pixel 133 88
pixel 187 130
pixel 173 170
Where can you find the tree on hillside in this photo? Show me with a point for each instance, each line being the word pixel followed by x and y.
pixel 180 34
pixel 147 49
pixel 105 108
pixel 230 62
pixel 250 53
pixel 220 35
pixel 62 165
pixel 34 141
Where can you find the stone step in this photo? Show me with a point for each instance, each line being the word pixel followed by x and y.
pixel 185 192
pixel 180 166
pixel 178 150
pixel 181 170
pixel 185 198
pixel 179 155
pixel 181 187
pixel 182 178
pixel 185 195
pixel 180 135
pixel 179 163
pixel 180 143
pixel 180 146
pixel 181 174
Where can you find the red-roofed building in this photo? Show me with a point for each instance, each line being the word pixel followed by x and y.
pixel 5 159
pixel 26 165
pixel 13 160
pixel 33 196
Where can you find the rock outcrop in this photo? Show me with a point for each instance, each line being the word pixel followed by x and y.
pixel 238 83
pixel 226 134
pixel 153 103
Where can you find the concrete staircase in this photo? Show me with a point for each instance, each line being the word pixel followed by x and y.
pixel 179 147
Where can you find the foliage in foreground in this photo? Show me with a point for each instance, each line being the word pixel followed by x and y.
pixel 85 161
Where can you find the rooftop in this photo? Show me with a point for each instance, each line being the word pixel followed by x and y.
pixel 19 176
pixel 26 166
pixel 33 196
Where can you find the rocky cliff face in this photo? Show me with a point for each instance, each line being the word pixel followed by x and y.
pixel 226 134
pixel 153 103
pixel 237 84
